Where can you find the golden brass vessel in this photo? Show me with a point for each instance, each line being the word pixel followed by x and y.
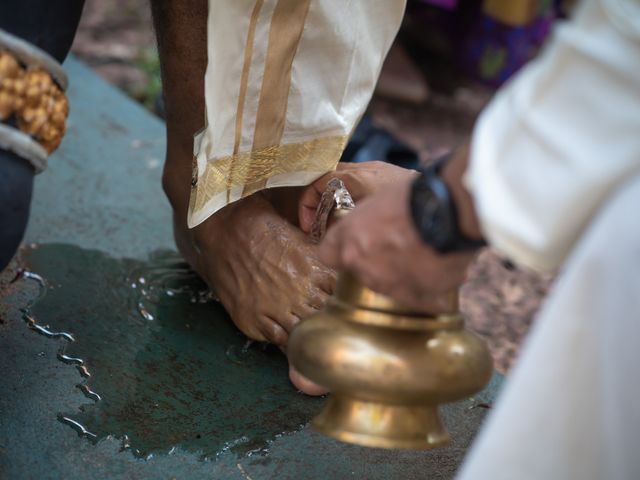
pixel 388 369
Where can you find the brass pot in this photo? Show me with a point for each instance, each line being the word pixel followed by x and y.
pixel 388 368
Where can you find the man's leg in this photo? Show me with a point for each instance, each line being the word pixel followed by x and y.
pixel 181 31
pixel 570 409
pixel 262 267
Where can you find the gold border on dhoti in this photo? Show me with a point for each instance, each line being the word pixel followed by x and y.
pixel 287 24
pixel 259 166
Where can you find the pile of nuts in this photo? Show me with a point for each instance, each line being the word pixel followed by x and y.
pixel 38 104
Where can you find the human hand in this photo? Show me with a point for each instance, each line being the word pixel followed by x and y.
pixel 361 179
pixel 379 244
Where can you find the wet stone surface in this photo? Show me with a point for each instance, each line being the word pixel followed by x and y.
pixel 102 191
pixel 166 366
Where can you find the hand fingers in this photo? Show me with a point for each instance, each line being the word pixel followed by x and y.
pixel 329 249
pixel 310 197
pixel 340 249
pixel 309 201
pixel 306 217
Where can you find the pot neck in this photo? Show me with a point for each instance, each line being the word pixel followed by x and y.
pixel 350 291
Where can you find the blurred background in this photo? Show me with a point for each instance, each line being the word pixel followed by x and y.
pixel 116 39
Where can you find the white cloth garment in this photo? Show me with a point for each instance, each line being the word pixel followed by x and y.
pixel 561 136
pixel 286 82
pixel 555 174
pixel 570 408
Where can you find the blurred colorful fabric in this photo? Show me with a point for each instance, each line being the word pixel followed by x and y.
pixel 490 40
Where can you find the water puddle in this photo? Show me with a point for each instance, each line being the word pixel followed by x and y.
pixel 160 364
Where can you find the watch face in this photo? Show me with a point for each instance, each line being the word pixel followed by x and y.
pixel 435 223
pixel 434 215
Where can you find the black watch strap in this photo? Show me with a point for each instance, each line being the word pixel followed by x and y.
pixel 434 213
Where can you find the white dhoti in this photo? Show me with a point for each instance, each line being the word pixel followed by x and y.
pixel 555 174
pixel 286 83
pixel 570 409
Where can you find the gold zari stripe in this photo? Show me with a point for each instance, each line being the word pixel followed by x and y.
pixel 287 24
pixel 244 79
pixel 318 155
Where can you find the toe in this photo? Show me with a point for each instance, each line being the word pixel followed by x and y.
pixel 273 332
pixel 304 384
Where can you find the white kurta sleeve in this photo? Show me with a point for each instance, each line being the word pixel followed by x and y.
pixel 569 410
pixel 564 134
pixel 286 82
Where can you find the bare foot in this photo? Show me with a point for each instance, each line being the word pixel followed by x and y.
pixel 264 270
pixel 304 384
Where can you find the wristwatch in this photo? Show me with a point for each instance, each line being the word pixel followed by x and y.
pixel 434 212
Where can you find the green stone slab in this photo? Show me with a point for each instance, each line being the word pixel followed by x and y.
pixel 181 393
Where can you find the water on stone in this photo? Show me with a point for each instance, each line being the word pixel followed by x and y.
pixel 161 365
